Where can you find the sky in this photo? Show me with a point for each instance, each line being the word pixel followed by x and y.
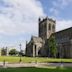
pixel 19 19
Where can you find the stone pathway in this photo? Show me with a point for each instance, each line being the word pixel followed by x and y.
pixel 35 64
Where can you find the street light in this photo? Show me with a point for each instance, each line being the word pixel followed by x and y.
pixel 20 51
pixel 6 51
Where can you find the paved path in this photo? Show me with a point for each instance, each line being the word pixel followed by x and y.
pixel 35 64
pixel 61 64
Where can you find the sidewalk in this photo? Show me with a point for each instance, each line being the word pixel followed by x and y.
pixel 35 64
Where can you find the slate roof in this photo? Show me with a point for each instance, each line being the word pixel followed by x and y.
pixel 36 39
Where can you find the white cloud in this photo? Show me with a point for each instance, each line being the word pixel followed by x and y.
pixel 55 11
pixel 63 24
pixel 58 5
pixel 20 16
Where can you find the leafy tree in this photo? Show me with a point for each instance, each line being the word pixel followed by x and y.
pixel 52 46
pixel 3 51
pixel 13 52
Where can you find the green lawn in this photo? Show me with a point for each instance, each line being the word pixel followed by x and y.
pixel 35 70
pixel 12 59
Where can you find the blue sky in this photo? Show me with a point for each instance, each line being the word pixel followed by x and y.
pixel 19 18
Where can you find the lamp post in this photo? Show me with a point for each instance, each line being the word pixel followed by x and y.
pixel 20 51
pixel 6 51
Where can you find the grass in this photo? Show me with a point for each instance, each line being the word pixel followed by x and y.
pixel 12 59
pixel 35 70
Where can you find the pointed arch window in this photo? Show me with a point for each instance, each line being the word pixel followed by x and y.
pixel 49 26
pixel 53 27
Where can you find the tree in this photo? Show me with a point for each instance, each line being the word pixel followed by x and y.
pixel 13 52
pixel 52 46
pixel 3 51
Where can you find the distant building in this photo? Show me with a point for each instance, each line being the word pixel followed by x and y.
pixel 47 26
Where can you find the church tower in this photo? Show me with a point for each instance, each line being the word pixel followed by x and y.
pixel 46 27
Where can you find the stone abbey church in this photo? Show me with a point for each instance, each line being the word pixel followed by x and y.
pixel 36 46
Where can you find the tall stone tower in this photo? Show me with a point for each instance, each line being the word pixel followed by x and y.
pixel 46 27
